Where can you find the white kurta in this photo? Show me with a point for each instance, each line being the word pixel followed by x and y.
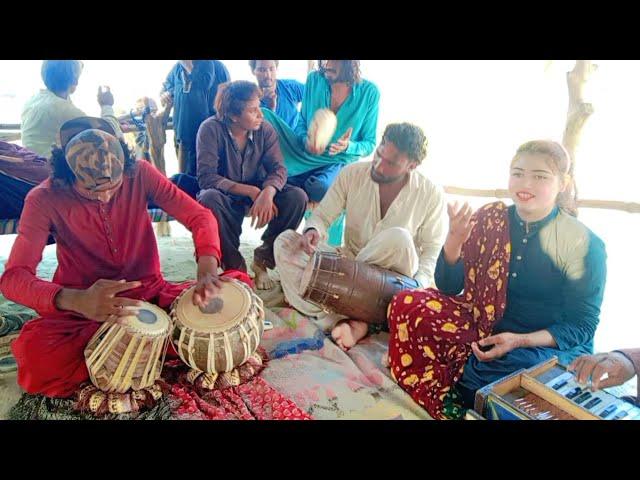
pixel 407 240
pixel 45 113
pixel 419 208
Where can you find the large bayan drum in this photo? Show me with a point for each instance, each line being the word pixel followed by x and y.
pixel 120 357
pixel 356 289
pixel 222 336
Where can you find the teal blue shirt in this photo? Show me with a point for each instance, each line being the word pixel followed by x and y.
pixel 359 112
pixel 557 274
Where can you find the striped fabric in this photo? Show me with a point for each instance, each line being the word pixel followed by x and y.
pixel 10 226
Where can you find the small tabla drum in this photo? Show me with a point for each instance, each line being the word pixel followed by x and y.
pixel 321 129
pixel 221 336
pixel 131 355
pixel 356 289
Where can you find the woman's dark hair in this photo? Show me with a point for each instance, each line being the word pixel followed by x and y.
pixel 60 75
pixel 63 177
pixel 232 98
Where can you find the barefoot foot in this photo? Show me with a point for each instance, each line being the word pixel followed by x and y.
pixel 262 279
pixel 349 332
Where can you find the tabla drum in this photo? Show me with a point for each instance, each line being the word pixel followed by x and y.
pixel 321 129
pixel 356 289
pixel 131 355
pixel 221 336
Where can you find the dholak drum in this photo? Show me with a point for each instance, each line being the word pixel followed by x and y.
pixel 120 357
pixel 348 287
pixel 224 334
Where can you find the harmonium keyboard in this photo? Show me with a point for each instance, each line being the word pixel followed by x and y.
pixel 548 391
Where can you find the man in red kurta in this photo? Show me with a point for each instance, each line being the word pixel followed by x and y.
pixel 95 205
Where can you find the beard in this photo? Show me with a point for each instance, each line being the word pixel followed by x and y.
pixel 376 177
pixel 335 77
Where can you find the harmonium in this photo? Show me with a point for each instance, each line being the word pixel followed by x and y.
pixel 548 391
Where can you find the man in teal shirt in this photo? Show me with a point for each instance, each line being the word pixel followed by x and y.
pixel 337 85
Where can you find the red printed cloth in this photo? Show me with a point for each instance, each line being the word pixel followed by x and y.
pixel 431 333
pixel 254 400
pixel 240 395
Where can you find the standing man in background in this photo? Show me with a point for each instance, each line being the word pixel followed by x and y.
pixel 191 87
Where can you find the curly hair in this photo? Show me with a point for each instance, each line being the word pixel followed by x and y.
pixel 232 98
pixel 63 177
pixel 408 138
pixel 350 72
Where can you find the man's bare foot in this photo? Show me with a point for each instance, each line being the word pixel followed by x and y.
pixel 311 206
pixel 262 279
pixel 349 332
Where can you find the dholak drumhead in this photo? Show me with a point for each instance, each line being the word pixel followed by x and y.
pixel 221 336
pixel 305 280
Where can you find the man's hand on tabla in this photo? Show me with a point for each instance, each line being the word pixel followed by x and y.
pixel 99 301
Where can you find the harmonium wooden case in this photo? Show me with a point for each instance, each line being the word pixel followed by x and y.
pixel 548 391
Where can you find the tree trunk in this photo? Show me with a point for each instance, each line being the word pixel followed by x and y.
pixel 577 113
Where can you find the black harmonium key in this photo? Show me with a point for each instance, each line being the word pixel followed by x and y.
pixel 608 411
pixel 573 393
pixel 620 415
pixel 592 403
pixel 559 385
pixel 585 396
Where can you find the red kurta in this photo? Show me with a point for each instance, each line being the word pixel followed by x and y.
pixel 94 240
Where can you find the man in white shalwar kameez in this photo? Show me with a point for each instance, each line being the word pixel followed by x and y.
pixel 394 219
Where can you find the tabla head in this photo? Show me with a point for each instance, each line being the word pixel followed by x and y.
pixel 223 311
pixel 321 129
pixel 151 320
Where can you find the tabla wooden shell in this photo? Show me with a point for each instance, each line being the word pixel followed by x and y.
pixel 356 289
pixel 120 357
pixel 224 335
pixel 321 129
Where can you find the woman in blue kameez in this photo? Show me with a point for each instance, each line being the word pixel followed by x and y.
pixel 554 270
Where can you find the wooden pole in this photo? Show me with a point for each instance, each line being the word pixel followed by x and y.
pixel 630 207
pixel 156 126
pixel 578 112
